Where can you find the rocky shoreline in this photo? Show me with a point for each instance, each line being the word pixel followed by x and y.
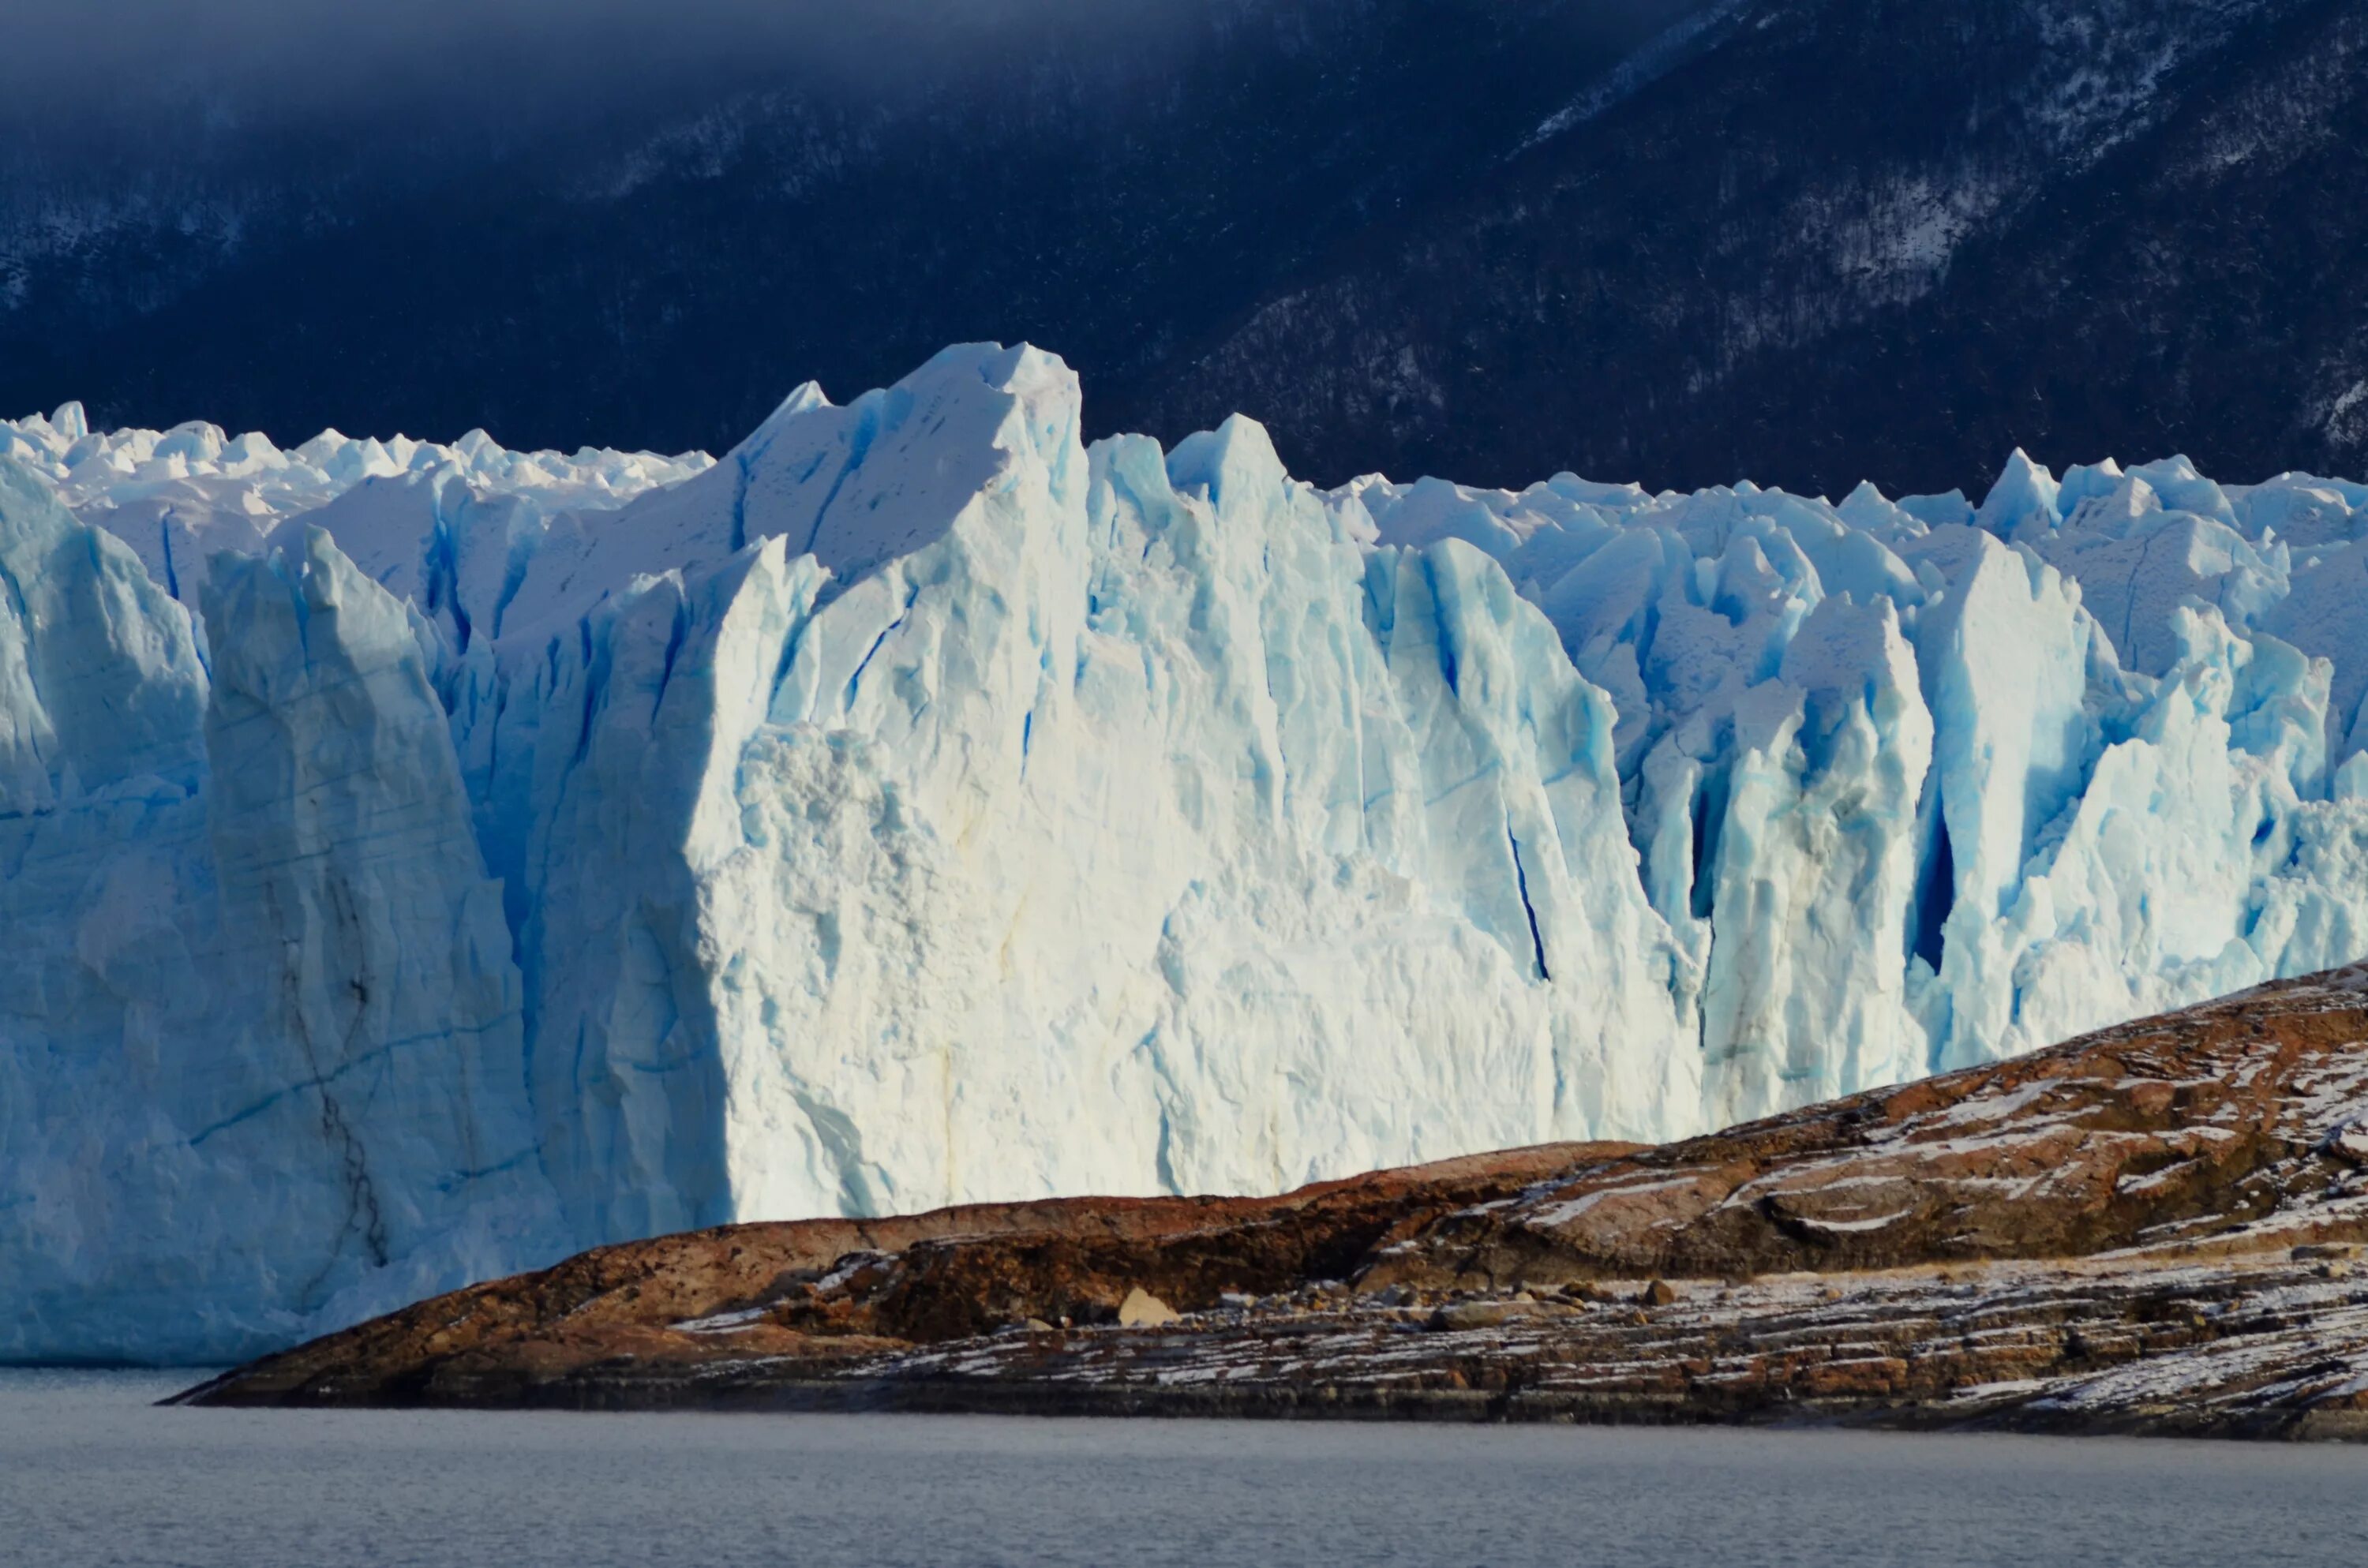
pixel 2157 1228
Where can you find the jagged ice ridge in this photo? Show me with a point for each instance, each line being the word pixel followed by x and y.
pixel 423 862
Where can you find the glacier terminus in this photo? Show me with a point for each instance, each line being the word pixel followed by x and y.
pixel 419 862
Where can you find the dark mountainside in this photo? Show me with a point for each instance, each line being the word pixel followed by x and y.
pixel 657 263
pixel 1808 242
pixel 1890 238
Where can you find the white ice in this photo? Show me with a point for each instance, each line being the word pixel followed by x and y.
pixel 430 859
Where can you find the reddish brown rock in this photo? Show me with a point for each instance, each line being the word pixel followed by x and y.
pixel 2146 1229
pixel 831 1291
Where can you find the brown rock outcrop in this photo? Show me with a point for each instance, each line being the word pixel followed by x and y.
pixel 2141 1229
pixel 2199 1126
pixel 832 1290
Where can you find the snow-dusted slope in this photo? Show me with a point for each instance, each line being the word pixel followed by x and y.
pixel 917 806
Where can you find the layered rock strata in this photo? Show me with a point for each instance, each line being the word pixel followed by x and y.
pixel 2150 1229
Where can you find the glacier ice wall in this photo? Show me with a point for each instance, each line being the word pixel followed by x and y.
pixel 260 1032
pixel 1921 784
pixel 430 859
pixel 1113 822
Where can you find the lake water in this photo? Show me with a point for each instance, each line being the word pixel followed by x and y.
pixel 91 1473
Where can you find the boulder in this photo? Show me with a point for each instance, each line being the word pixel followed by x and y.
pixel 1142 1310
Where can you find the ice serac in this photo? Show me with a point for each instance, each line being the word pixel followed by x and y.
pixel 354 900
pixel 1816 870
pixel 259 1042
pixel 2006 652
pixel 1061 820
pixel 919 805
pixel 1921 784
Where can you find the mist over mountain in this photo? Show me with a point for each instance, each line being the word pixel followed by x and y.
pixel 1672 240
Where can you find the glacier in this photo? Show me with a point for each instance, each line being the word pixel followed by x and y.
pixel 424 860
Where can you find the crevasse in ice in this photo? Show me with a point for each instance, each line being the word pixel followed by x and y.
pixel 422 862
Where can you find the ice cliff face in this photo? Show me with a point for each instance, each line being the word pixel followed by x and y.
pixel 1902 797
pixel 511 852
pixel 261 1027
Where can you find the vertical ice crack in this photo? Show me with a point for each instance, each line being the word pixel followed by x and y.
pixel 594 681
pixel 858 446
pixel 1708 812
pixel 885 632
pixel 165 537
pixel 1936 894
pixel 1440 631
pixel 1521 884
pixel 363 1213
pixel 443 586
pixel 674 637
pixel 740 462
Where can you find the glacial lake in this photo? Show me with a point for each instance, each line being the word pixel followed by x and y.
pixel 90 1473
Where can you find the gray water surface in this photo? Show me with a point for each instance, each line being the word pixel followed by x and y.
pixel 91 1473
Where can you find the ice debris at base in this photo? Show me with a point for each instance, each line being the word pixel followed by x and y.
pixel 488 855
